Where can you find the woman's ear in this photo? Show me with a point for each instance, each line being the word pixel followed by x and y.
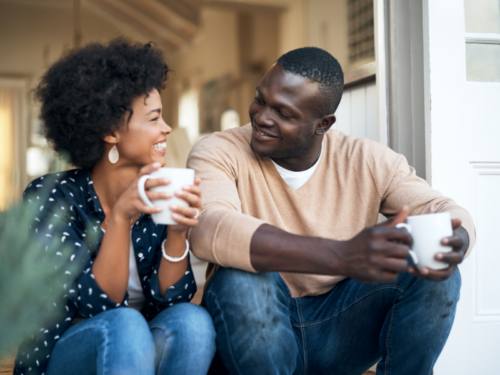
pixel 111 138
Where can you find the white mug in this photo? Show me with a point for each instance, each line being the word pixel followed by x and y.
pixel 179 177
pixel 427 232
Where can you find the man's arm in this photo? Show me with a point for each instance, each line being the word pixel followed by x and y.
pixel 227 237
pixel 375 255
pixel 398 184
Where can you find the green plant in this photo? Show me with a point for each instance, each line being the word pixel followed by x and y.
pixel 27 279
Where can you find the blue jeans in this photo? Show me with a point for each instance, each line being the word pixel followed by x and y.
pixel 120 341
pixel 261 329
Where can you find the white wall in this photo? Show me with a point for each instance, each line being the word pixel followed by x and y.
pixel 357 112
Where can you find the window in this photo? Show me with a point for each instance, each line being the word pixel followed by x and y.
pixel 13 118
pixel 482 26
pixel 361 31
pixel 189 114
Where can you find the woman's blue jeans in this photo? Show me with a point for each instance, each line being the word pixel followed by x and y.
pixel 180 340
pixel 262 330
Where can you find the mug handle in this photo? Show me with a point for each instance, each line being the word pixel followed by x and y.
pixel 408 228
pixel 142 191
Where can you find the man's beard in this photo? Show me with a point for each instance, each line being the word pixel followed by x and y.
pixel 302 147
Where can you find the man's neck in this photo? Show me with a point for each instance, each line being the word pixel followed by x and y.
pixel 301 163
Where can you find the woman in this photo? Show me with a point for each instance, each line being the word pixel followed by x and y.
pixel 127 310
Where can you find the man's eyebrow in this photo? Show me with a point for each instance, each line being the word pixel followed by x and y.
pixel 276 105
pixel 153 110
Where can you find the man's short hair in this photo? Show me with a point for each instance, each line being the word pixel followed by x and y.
pixel 319 66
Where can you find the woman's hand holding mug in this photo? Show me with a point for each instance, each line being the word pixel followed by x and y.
pixel 187 217
pixel 130 204
pixel 181 200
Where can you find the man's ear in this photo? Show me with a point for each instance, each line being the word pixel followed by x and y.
pixel 326 122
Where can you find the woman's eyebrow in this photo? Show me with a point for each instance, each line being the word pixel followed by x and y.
pixel 153 110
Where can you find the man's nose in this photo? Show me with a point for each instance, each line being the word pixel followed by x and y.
pixel 264 117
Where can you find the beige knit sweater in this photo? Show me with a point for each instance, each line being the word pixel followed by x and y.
pixel 355 180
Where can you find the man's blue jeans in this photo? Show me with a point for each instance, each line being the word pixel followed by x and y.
pixel 261 329
pixel 120 341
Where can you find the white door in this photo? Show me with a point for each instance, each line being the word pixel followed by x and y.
pixel 462 57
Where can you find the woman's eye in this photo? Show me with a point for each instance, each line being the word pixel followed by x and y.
pixel 155 119
pixel 283 115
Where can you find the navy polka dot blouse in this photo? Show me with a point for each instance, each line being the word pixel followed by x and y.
pixel 73 202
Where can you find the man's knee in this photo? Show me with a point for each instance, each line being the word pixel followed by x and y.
pixel 242 290
pixel 437 301
pixel 443 296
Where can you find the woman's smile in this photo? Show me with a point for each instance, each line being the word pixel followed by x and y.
pixel 160 147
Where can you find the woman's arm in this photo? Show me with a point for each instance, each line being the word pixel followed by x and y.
pixel 169 272
pixel 111 266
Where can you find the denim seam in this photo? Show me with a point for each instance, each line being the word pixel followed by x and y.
pixel 106 352
pixel 225 326
pixel 302 329
pixel 350 305
pixel 166 347
pixel 388 345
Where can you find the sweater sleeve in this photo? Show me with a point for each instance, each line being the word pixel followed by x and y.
pixel 224 233
pixel 399 185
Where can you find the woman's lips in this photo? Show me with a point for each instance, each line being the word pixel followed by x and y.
pixel 160 147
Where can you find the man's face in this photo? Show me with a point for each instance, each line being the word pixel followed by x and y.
pixel 283 115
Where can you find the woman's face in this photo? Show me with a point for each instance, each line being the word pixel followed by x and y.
pixel 144 139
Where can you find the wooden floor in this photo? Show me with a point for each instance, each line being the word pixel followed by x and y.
pixel 7 366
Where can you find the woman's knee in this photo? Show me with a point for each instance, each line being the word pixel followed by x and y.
pixel 185 325
pixel 127 326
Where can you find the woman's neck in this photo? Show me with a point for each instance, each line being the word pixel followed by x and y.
pixel 110 181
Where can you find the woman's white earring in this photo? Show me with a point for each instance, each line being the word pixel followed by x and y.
pixel 113 155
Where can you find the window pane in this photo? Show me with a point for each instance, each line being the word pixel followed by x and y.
pixel 482 16
pixel 483 62
pixel 361 31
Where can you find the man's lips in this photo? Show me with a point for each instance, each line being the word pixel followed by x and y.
pixel 262 132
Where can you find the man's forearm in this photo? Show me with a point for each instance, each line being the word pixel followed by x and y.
pixel 273 249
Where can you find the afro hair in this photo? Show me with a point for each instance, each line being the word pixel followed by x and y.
pixel 84 96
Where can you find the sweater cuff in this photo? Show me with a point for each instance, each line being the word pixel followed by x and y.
pixel 233 238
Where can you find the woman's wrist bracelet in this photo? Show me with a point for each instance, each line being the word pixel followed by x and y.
pixel 174 259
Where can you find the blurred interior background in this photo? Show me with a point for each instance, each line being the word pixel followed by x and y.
pixel 421 76
pixel 218 51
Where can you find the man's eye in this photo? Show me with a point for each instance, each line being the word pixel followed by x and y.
pixel 283 115
pixel 259 100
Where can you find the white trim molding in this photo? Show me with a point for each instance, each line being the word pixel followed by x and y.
pixel 482 38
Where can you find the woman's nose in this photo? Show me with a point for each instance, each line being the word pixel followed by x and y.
pixel 165 128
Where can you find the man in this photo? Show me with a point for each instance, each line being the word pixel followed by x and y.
pixel 306 282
